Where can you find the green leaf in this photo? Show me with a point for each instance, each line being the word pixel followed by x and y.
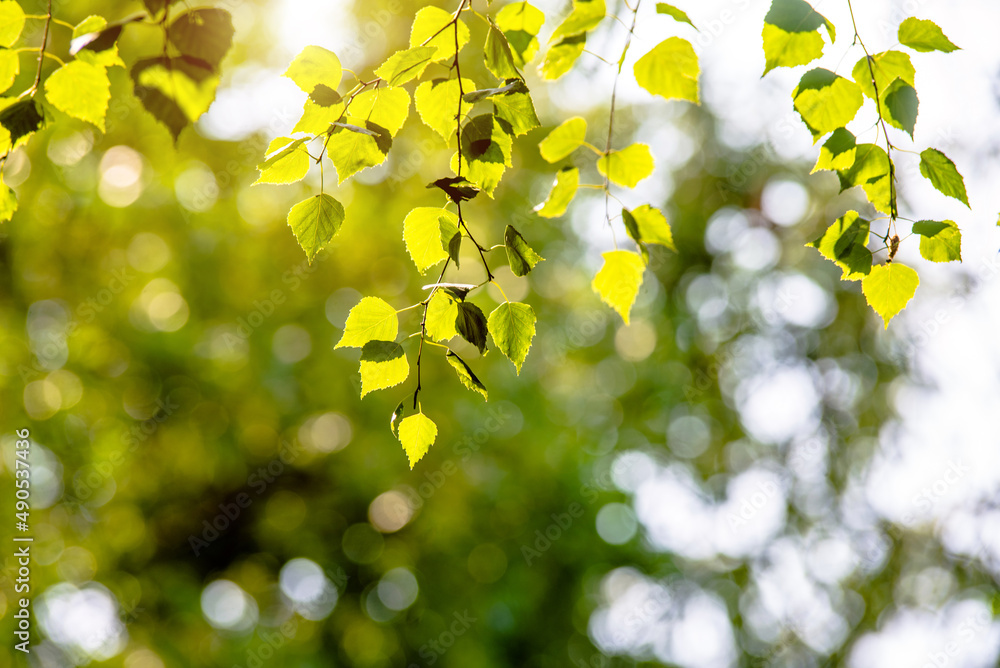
pixel 844 243
pixel 91 24
pixel 826 101
pixel 486 151
pixel 8 202
pixel 791 34
pixel 429 31
pixel 924 35
pixel 315 221
pixel 316 118
pixel 465 374
pixel 647 225
pixel 564 139
pixel 10 67
pixel 871 171
pixel 516 108
pixel 471 325
pixel 176 91
pixel 288 161
pixel 417 433
pixel 520 23
pixel 372 319
pixel 325 96
pixel 887 66
pixel 499 59
pixel 560 57
pixel 628 166
pixel 670 70
pixel 888 288
pixel 105 58
pixel 512 325
pixel 586 16
pixel 20 118
pixel 436 102
pixel 423 231
pixel 386 107
pixel 619 280
pixel 940 241
pixel 80 90
pixel 398 415
pixel 899 106
pixel 674 13
pixel 838 152
pixel 457 188
pixel 943 174
pixel 521 257
pixel 383 364
pixel 563 191
pixel 353 151
pixel 403 66
pixel 315 66
pixel 205 34
pixel 442 312
pixel 11 22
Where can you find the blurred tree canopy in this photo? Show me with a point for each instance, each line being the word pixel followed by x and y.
pixel 209 489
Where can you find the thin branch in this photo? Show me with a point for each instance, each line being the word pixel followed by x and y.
pixel 41 49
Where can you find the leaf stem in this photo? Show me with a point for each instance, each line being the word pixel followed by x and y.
pixel 41 49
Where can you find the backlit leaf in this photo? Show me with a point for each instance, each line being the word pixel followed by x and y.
pixel 924 35
pixel 404 66
pixel 560 57
pixel 586 16
pixel 205 34
pixel 486 151
pixel 10 67
pixel 826 101
pixel 8 202
pixel 314 66
pixel 417 434
pixel 372 319
pixel 353 151
pixel 429 30
pixel 791 34
pixel 512 326
pixel 287 162
pixel 521 257
pixel 315 221
pixel 674 13
pixel 437 102
pixel 465 374
pixel 940 241
pixel 628 166
pixel 887 67
pixel 499 59
pixel 423 230
pixel 564 139
pixel 442 312
pixel 516 108
pixel 383 364
pixel 80 90
pixel 650 226
pixel 520 23
pixel 386 107
pixel 670 70
pixel 844 243
pixel 888 288
pixel 619 280
pixel 563 191
pixel 871 171
pixel 838 152
pixel 11 22
pixel 943 174
pixel 471 325
pixel 899 106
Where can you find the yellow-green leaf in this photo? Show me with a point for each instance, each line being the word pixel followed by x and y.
pixel 563 191
pixel 8 202
pixel 430 29
pixel 383 364
pixel 10 67
pixel 372 319
pixel 887 67
pixel 924 35
pixel 586 16
pixel 826 101
pixel 628 166
pixel 838 152
pixel 403 66
pixel 845 244
pixel 417 434
pixel 899 106
pixel 647 225
pixel 81 90
pixel 564 139
pixel 674 13
pixel 888 288
pixel 940 241
pixel 520 23
pixel 314 66
pixel 791 34
pixel 670 70
pixel 499 58
pixel 560 57
pixel 357 145
pixel 619 280
pixel 465 374
pixel 387 107
pixel 486 151
pixel 436 101
pixel 521 257
pixel 442 312
pixel 943 175
pixel 11 22
pixel 315 221
pixel 427 231
pixel 287 162
pixel 512 326
pixel 871 171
